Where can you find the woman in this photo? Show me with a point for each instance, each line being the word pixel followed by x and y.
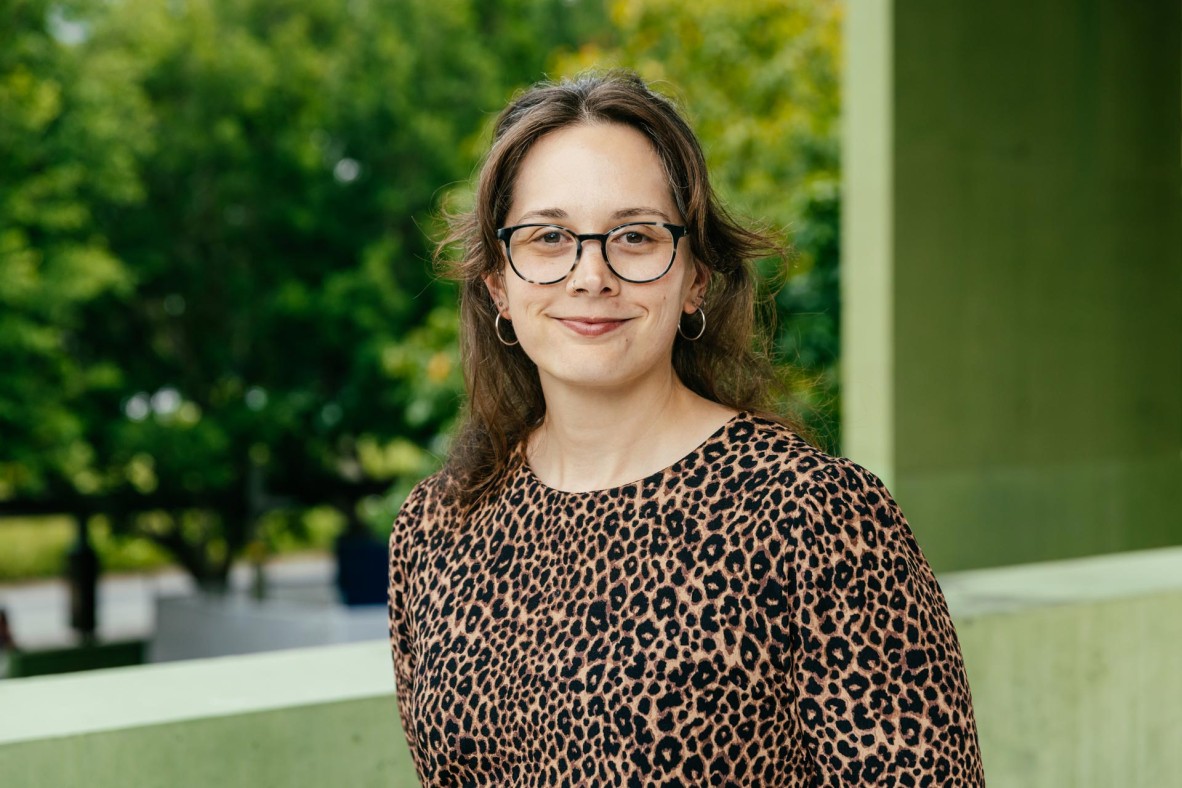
pixel 624 574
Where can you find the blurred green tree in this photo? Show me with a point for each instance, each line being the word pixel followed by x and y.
pixel 761 81
pixel 277 338
pixel 70 132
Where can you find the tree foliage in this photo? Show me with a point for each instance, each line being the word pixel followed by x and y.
pixel 67 140
pixel 224 216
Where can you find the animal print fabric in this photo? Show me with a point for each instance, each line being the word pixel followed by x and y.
pixel 758 613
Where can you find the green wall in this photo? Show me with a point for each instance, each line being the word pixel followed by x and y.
pixel 354 743
pixel 1013 272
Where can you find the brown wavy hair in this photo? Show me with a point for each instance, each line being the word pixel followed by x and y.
pixel 729 364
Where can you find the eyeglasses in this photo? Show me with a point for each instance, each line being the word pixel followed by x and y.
pixel 546 254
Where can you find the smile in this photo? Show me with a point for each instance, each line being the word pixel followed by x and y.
pixel 591 326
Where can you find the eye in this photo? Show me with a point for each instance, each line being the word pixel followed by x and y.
pixel 637 237
pixel 543 236
pixel 543 242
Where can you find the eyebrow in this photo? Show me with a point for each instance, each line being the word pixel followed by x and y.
pixel 624 213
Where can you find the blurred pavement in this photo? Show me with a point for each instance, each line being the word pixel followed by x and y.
pixel 39 611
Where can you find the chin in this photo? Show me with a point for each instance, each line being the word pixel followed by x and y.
pixel 597 365
pixel 591 377
pixel 600 374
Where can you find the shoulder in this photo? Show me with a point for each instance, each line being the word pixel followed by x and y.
pixel 808 489
pixel 755 441
pixel 425 501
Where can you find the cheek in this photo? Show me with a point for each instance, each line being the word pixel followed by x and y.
pixel 511 291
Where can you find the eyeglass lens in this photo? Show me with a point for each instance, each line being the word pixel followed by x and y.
pixel 635 252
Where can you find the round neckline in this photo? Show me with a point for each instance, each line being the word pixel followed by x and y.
pixel 679 464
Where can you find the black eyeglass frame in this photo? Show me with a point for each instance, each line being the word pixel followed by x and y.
pixel 678 231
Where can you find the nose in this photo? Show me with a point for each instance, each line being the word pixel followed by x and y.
pixel 592 273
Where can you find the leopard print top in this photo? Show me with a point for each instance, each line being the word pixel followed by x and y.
pixel 758 613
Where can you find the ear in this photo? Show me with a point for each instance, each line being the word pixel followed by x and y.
pixel 696 293
pixel 496 289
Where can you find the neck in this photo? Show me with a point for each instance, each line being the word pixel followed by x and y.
pixel 594 439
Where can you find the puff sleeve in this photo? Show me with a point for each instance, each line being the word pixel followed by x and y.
pixel 879 681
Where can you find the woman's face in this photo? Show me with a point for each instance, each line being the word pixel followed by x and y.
pixel 594 329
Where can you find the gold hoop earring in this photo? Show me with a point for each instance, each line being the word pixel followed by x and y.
pixel 701 330
pixel 497 331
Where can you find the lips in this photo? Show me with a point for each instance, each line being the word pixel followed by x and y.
pixel 592 326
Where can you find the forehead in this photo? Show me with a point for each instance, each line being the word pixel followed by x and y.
pixel 587 169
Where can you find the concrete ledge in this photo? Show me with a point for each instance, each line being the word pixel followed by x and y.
pixel 1073 667
pixel 120 698
pixel 1101 578
pixel 316 716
